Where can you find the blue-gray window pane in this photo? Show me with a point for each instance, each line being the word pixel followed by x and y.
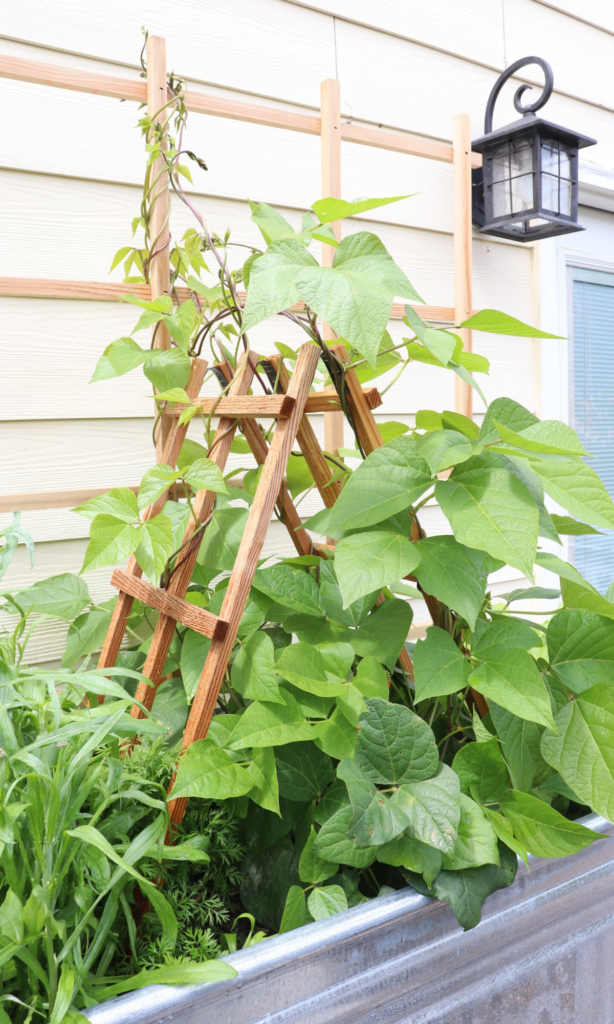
pixel 593 315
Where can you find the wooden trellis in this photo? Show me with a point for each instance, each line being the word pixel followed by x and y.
pixel 332 131
pixel 289 406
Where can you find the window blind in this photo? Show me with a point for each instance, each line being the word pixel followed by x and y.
pixel 593 405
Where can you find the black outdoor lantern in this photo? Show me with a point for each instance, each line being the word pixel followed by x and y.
pixel 527 187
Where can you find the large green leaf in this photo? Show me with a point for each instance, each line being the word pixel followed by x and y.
pixel 583 750
pixel 482 770
pixel 111 541
pixel 355 295
pixel 581 648
pixel 406 852
pixel 500 636
pixel 269 725
pixel 549 436
pixel 330 209
pixel 544 831
pixel 312 868
pixel 569 527
pixel 383 632
pixel 338 660
pixel 205 475
pixel 521 745
pixel 575 590
pixel 493 511
pixel 476 840
pixel 351 703
pixel 263 770
pixel 332 602
pixel 303 771
pixel 270 222
pixel 207 771
pixel 495 322
pixel 453 573
pixel 508 412
pixel 445 448
pixel 332 842
pixel 394 745
pixel 371 679
pixel 336 736
pixel 155 546
pixel 432 808
pixel 156 482
pixel 194 651
pixel 253 670
pixel 512 680
pixel 387 482
pixel 272 280
pixel 118 358
pixel 367 562
pixel 222 538
pixel 120 502
pixel 441 344
pixel 304 667
pixel 325 901
pixel 298 474
pixel 168 368
pixel 576 487
pixel 295 910
pixel 376 819
pixel 290 587
pixel 63 597
pixel 439 665
pixel 466 890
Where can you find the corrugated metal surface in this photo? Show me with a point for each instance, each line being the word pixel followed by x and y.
pixel 542 955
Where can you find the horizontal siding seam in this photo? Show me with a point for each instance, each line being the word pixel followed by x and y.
pixel 373 28
pixel 460 56
pixel 280 206
pixel 575 17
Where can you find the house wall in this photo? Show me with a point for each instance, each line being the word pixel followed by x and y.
pixel 71 168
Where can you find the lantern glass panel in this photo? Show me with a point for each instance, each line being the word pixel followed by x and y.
pixel 512 178
pixel 556 177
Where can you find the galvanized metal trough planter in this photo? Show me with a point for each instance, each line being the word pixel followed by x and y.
pixel 543 954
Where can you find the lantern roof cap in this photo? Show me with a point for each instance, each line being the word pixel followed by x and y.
pixel 529 123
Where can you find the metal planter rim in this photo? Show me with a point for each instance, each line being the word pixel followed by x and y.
pixel 365 961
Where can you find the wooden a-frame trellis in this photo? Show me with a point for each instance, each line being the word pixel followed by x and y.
pixel 289 407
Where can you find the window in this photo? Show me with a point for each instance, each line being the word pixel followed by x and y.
pixel 592 394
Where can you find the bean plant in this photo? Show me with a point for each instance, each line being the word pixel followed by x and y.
pixel 346 774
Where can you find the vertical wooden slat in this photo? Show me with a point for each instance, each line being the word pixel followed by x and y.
pixel 124 603
pixel 203 504
pixel 320 469
pixel 246 562
pixel 330 103
pixel 463 233
pixel 159 268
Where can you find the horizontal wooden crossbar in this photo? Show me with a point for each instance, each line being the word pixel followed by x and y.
pixel 174 607
pixel 329 401
pixel 100 291
pixel 55 75
pixel 266 406
pixel 276 406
